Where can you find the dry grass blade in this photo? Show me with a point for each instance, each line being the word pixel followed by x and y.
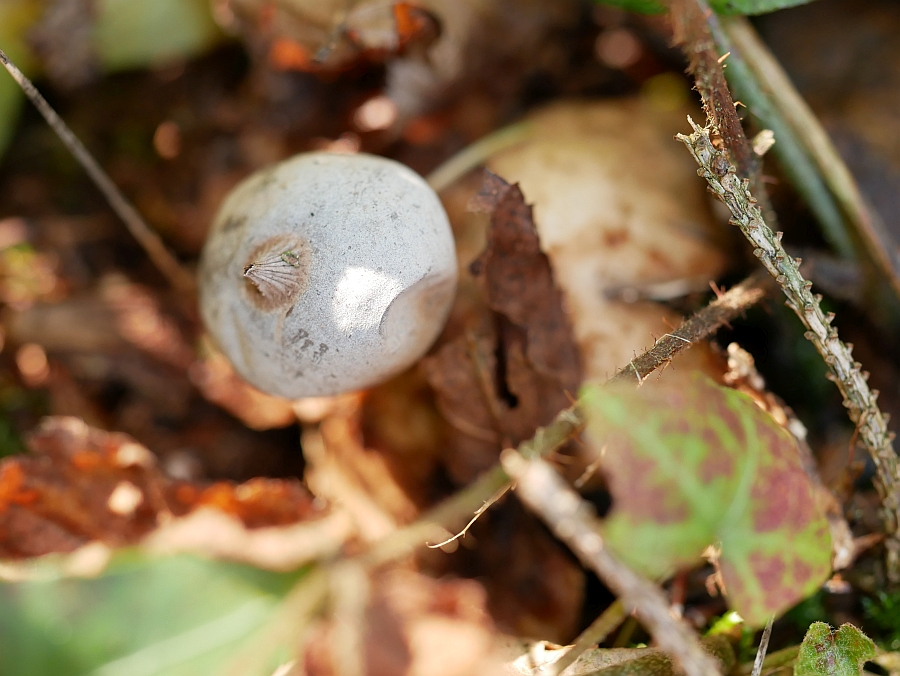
pixel 763 647
pixel 846 373
pixel 162 258
pixel 598 630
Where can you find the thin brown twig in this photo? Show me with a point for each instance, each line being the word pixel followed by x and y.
pixel 570 518
pixel 162 258
pixel 722 310
pixel 481 510
pixel 693 27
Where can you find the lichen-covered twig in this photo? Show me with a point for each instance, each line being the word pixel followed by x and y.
pixel 847 374
pixel 546 494
pixel 164 260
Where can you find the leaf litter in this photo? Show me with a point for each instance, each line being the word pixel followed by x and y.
pixel 513 357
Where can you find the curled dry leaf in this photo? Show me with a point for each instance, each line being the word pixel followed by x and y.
pixel 516 366
pixel 513 368
pixel 618 213
pixel 81 484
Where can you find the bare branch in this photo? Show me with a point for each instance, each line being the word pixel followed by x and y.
pixel 705 322
pixel 570 518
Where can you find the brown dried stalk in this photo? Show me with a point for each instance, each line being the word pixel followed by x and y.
pixel 162 258
pixel 694 28
pixel 571 519
pixel 719 312
pixel 847 374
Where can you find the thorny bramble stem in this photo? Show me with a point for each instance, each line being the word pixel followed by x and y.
pixel 847 374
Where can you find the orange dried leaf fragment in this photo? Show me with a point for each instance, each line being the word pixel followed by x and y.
pixel 80 484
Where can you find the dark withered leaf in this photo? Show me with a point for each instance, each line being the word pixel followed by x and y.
pixel 512 369
pixel 517 365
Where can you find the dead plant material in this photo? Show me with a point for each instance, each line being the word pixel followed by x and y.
pixel 729 305
pixel 81 484
pixel 520 365
pixel 413 626
pixel 692 24
pixel 571 519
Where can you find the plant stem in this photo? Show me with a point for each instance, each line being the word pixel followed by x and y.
pixel 805 127
pixel 570 518
pixel 477 153
pixel 693 24
pixel 699 326
pixel 797 165
pixel 847 374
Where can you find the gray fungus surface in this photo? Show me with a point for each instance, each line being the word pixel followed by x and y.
pixel 327 273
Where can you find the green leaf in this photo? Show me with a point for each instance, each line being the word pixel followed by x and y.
pixel 833 653
pixel 751 7
pixel 175 616
pixel 640 6
pixel 747 7
pixel 694 464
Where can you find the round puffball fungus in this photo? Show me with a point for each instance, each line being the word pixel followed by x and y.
pixel 327 273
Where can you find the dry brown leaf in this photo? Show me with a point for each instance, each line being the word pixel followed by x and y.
pixel 518 366
pixel 81 484
pixel 416 626
pixel 618 211
pixel 513 368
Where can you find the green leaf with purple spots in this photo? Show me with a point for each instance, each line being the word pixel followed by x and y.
pixel 833 653
pixel 694 464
